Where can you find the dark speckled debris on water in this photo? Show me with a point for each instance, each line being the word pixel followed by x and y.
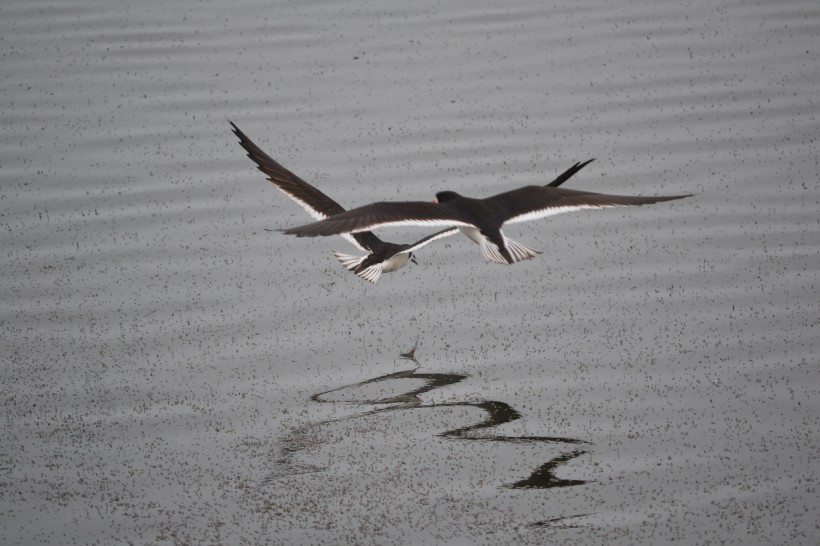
pixel 162 353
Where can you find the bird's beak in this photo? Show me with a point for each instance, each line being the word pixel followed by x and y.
pixel 434 200
pixel 413 259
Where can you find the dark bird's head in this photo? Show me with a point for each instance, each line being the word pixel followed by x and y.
pixel 445 196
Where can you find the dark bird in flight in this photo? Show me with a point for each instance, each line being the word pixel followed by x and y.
pixel 481 220
pixel 381 257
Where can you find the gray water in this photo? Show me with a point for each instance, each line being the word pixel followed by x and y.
pixel 174 373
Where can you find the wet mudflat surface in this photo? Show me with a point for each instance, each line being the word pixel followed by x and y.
pixel 174 373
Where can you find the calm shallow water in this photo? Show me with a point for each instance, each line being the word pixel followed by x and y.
pixel 163 353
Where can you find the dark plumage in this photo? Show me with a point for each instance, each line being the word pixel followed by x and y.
pixel 480 219
pixel 382 256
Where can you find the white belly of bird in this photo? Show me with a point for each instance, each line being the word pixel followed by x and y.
pixel 472 233
pixel 396 262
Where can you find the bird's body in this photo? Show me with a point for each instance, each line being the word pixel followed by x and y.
pixel 382 257
pixel 480 219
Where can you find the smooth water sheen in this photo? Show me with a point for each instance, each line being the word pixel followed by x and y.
pixel 174 373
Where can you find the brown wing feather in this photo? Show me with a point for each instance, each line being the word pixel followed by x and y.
pixel 530 200
pixel 378 214
pixel 287 181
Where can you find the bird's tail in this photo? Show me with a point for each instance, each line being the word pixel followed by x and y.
pixel 516 251
pixel 353 263
pixel 349 262
pixel 520 252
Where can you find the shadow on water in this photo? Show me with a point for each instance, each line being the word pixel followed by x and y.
pixel 497 413
pixel 563 522
pixel 408 398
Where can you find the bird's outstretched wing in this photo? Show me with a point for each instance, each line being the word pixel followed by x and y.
pixel 368 217
pixel 535 202
pixel 316 203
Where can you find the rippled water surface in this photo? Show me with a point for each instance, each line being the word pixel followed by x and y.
pixel 172 372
